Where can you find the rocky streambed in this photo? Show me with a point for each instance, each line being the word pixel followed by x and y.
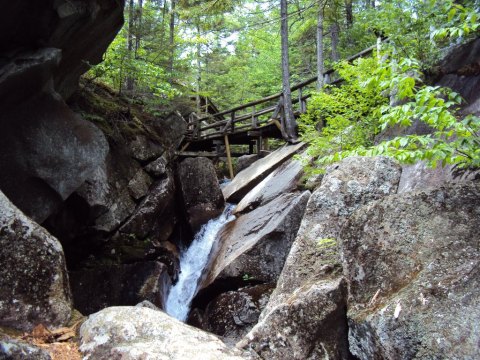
pixel 372 261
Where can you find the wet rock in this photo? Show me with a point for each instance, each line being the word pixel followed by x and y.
pixel 33 279
pixel 132 333
pixel 232 315
pixel 11 349
pixel 247 179
pixel 282 180
pixel 201 194
pixel 256 244
pixel 310 325
pixel 412 262
pixel 126 284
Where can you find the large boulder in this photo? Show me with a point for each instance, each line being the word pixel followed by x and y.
pixel 128 284
pixel 201 194
pixel 132 333
pixel 311 325
pixel 247 179
pixel 233 314
pixel 412 263
pixel 256 244
pixel 346 186
pixel 283 180
pixel 310 296
pixel 34 285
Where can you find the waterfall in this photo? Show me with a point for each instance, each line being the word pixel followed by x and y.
pixel 192 263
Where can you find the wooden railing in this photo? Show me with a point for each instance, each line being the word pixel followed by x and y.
pixel 255 114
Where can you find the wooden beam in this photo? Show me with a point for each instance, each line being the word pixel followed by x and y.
pixel 229 156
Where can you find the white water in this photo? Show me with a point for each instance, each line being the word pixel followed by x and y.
pixel 192 263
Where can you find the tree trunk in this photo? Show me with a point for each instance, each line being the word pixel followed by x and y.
pixel 334 30
pixel 349 12
pixel 172 40
pixel 138 31
pixel 320 57
pixel 199 73
pixel 131 8
pixel 289 125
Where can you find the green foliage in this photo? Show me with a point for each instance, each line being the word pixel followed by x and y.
pixel 452 141
pixel 458 21
pixel 346 117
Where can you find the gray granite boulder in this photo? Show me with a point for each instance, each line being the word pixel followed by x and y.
pixel 201 194
pixel 282 180
pixel 256 244
pixel 247 179
pixel 412 263
pixel 34 285
pixel 305 317
pixel 132 333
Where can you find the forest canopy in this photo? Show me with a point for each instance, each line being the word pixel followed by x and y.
pixel 230 52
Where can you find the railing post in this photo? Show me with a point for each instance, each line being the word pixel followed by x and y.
pixel 301 101
pixel 196 127
pixel 233 121
pixel 254 119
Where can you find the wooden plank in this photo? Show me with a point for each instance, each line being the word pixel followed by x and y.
pixel 196 154
pixel 229 156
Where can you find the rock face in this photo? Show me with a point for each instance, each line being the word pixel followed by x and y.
pixel 132 333
pixel 282 180
pixel 39 154
pixel 232 314
pixel 459 70
pixel 412 262
pixel 310 295
pixel 247 179
pixel 33 279
pixel 420 177
pixel 256 244
pixel 345 187
pixel 43 142
pixel 128 284
pixel 201 194
pixel 155 205
pixel 311 325
pixel 64 25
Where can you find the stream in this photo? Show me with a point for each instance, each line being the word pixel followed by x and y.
pixel 192 263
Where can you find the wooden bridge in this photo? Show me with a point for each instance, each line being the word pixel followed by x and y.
pixel 251 123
